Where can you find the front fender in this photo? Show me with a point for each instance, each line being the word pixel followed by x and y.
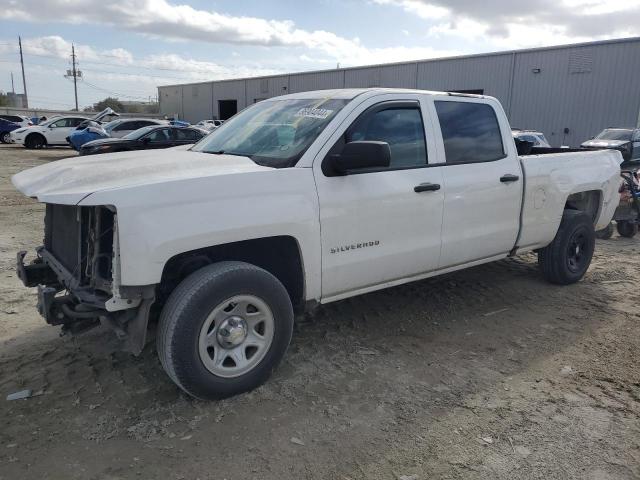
pixel 157 222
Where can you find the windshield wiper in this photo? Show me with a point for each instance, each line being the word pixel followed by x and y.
pixel 224 152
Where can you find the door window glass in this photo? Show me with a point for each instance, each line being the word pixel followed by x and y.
pixel 160 135
pixel 401 128
pixel 186 135
pixel 60 123
pixel 470 132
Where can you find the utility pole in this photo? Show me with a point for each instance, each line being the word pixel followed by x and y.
pixel 24 81
pixel 74 73
pixel 13 88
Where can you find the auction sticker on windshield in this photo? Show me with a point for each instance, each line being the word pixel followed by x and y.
pixel 321 113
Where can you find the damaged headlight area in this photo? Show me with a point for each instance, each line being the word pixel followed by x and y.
pixel 78 276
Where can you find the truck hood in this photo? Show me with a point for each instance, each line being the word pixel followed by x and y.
pixel 603 143
pixel 70 180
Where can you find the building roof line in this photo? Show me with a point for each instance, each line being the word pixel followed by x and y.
pixel 418 61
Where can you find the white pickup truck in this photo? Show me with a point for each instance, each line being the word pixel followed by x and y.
pixel 296 201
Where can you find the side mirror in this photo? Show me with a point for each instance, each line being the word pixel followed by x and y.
pixel 146 140
pixel 360 154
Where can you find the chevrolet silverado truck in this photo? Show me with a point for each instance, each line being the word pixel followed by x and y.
pixel 297 201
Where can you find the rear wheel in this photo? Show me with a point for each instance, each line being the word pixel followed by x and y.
pixel 605 233
pixel 566 259
pixel 35 140
pixel 627 229
pixel 224 329
pixel 5 137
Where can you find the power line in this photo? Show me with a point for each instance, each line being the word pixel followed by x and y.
pixel 168 69
pixel 91 69
pixel 91 85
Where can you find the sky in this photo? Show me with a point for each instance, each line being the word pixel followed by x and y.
pixel 126 48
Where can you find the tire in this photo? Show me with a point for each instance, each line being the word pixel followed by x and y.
pixel 35 140
pixel 605 233
pixel 201 328
pixel 567 258
pixel 5 137
pixel 627 229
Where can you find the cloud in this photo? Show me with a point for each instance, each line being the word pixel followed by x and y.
pixel 532 23
pixel 164 20
pixel 101 61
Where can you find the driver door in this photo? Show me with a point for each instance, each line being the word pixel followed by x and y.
pixel 380 226
pixel 60 130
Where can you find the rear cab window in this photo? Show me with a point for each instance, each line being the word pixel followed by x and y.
pixel 470 132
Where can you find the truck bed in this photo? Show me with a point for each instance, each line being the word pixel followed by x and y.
pixel 551 177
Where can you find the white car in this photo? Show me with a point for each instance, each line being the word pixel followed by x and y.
pixel 53 132
pixel 19 119
pixel 123 126
pixel 300 200
pixel 210 124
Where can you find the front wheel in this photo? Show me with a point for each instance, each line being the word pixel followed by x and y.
pixel 567 258
pixel 224 329
pixel 35 140
pixel 627 229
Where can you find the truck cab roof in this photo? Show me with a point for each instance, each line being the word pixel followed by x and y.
pixel 351 93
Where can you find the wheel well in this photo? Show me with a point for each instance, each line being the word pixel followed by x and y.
pixel 588 202
pixel 279 255
pixel 35 134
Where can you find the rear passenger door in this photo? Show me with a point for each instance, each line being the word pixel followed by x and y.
pixel 186 136
pixel 159 138
pixel 482 181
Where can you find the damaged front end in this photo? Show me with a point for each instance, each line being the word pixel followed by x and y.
pixel 78 275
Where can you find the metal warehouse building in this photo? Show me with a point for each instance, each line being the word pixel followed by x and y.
pixel 568 92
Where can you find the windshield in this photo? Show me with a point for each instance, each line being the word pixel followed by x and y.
pixel 136 134
pixel 274 133
pixel 614 134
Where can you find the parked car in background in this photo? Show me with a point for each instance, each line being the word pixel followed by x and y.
pixel 6 127
pixel 124 126
pixel 53 132
pixel 156 136
pixel 21 120
pixel 536 138
pixel 626 140
pixel 210 124
pixel 87 131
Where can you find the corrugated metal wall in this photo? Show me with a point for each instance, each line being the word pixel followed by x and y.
pixel 266 87
pixel 225 90
pixel 197 100
pixel 303 82
pixel 581 88
pixel 170 99
pixel 491 73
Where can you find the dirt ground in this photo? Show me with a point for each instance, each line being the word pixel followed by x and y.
pixel 486 373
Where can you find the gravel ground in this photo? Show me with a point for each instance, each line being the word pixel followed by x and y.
pixel 485 373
